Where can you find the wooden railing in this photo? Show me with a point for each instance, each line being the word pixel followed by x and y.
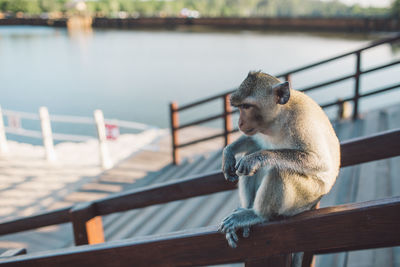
pixel 348 227
pixel 227 112
pixel 381 223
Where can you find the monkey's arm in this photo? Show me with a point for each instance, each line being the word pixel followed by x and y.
pixel 243 144
pixel 285 159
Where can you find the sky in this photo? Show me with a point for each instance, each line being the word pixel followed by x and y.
pixel 366 3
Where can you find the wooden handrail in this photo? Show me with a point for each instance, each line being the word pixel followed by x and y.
pixel 360 150
pixel 35 221
pixel 372 224
pixel 287 76
pixel 176 190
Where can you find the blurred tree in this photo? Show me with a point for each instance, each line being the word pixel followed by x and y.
pixel 207 8
pixel 25 6
pixel 49 5
pixel 396 9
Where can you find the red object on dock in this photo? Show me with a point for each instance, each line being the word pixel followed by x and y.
pixel 112 131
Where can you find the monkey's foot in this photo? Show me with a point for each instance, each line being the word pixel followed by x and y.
pixel 239 219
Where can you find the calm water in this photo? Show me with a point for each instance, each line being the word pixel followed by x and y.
pixel 132 75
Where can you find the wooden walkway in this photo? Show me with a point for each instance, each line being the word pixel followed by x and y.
pixel 360 183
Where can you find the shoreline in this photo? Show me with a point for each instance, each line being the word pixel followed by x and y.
pixel 306 24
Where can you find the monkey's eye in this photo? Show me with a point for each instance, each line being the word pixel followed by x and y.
pixel 245 106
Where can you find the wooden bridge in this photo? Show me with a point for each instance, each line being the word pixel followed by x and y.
pixel 361 212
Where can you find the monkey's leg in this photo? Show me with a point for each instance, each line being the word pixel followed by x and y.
pixel 244 217
pixel 247 191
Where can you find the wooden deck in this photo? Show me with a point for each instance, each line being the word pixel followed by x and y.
pixel 360 183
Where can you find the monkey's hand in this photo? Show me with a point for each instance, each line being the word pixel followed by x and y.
pixel 249 165
pixel 228 166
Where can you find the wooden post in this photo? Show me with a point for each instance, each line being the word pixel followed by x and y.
pixel 47 134
pixel 357 85
pixel 344 110
pixel 173 109
pixel 283 260
pixel 228 127
pixel 88 228
pixel 288 78
pixel 105 159
pixel 3 139
pixel 308 256
pixel 308 259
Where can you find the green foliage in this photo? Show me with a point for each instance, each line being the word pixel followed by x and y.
pixel 396 9
pixel 26 6
pixel 207 8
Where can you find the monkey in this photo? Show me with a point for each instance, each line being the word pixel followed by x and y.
pixel 290 154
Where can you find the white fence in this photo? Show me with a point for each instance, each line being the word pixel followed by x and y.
pixel 105 129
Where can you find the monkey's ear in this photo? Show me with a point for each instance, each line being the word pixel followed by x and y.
pixel 282 92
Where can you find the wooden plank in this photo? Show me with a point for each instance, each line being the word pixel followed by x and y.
pixel 196 217
pixel 204 166
pixel 138 221
pixel 348 227
pixel 165 175
pixel 226 203
pixel 183 171
pixel 166 212
pixel 189 208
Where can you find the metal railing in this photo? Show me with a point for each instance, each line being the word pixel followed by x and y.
pixel 227 112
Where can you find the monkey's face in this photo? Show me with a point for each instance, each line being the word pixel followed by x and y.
pixel 251 119
pixel 259 99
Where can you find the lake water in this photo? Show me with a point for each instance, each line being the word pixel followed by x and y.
pixel 134 74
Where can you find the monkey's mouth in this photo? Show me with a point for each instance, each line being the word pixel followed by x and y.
pixel 251 131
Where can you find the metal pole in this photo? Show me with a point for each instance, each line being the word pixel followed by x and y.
pixel 105 159
pixel 47 134
pixel 173 107
pixel 3 138
pixel 357 85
